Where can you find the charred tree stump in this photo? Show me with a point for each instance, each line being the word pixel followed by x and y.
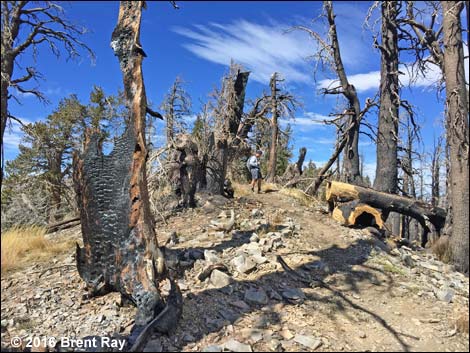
pixel 120 246
pixel 184 168
pixel 431 218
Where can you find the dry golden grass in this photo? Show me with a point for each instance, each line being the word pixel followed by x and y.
pixel 241 189
pixel 297 194
pixel 441 248
pixel 25 245
pixel 269 187
pixel 462 323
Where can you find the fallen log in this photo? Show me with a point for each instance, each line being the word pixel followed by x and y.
pixel 354 213
pixel 68 223
pixel 430 217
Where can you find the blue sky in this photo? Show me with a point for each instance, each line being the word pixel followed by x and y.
pixel 198 41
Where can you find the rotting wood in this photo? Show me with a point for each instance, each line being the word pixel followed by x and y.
pixel 354 213
pixel 431 218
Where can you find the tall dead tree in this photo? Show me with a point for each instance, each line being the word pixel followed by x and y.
pixel 348 143
pixel 386 175
pixel 457 127
pixel 27 26
pixel 350 173
pixel 387 136
pixel 271 173
pixel 177 103
pixel 441 44
pixel 120 246
pixel 281 103
pixel 228 115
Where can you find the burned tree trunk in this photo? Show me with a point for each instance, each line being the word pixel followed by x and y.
pixel 386 175
pixel 184 169
pixel 387 135
pixel 120 246
pixel 228 121
pixel 300 162
pixel 457 126
pixel 431 218
pixel 271 173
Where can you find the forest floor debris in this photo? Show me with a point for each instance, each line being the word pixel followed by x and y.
pixel 285 277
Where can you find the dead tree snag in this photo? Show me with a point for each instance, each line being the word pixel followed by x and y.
pixel 120 246
pixel 228 119
pixel 184 169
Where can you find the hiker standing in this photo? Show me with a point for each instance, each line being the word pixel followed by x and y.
pixel 255 171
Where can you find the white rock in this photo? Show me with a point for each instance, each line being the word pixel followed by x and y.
pixel 235 346
pixel 308 341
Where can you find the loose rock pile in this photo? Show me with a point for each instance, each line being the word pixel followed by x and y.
pixel 274 280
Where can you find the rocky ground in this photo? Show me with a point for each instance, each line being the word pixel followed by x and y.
pixel 278 276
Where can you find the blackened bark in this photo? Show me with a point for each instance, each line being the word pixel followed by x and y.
pixel 226 131
pixel 271 173
pixel 300 161
pixel 185 169
pixel 457 131
pixel 387 136
pixel 120 246
pixel 217 165
pixel 240 91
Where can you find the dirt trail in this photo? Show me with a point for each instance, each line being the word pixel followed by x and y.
pixel 310 285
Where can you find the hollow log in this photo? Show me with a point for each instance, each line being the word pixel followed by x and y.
pixel 354 213
pixel 431 218
pixel 120 246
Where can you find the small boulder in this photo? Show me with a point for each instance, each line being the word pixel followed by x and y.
pixel 220 279
pixel 235 346
pixel 256 296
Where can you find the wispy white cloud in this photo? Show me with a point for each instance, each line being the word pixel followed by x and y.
pixel 371 80
pixel 308 121
pixel 12 139
pixel 263 49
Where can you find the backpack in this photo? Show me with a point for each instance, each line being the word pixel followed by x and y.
pixel 248 163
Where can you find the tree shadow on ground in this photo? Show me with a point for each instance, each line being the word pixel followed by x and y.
pixel 201 319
